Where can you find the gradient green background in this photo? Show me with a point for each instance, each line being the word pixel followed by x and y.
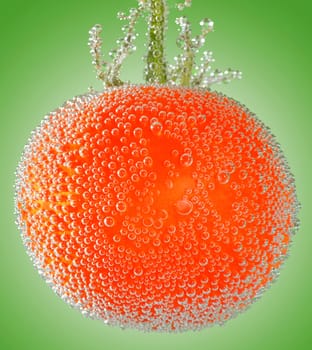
pixel 45 60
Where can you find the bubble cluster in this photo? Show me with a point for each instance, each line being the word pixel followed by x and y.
pixel 182 5
pixel 156 208
pixel 109 72
pixel 183 72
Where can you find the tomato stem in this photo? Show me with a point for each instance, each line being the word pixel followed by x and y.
pixel 184 72
pixel 189 54
pixel 156 71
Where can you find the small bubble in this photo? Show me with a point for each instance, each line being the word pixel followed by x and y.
pixel 184 207
pixel 148 222
pixel 143 173
pixel 242 223
pixel 121 196
pixel 211 186
pixel 143 120
pixel 203 261
pixel 121 206
pixel 112 165
pixel 125 149
pixel 116 238
pixel 135 177
pixel 156 53
pixel 243 174
pixel 115 132
pixel 158 224
pixel 186 3
pixel 138 271
pixel 186 159
pixel 175 153
pixel 83 152
pixel 148 161
pixel 218 139
pixel 121 15
pixel 171 229
pixel 131 235
pixel 156 128
pixel 137 132
pixel 122 173
pixel 223 177
pixel 152 176
pixel 238 247
pixel 230 167
pixel 205 235
pixel 207 24
pixel 166 163
pixel 169 184
pixel 163 214
pixel 156 242
pixel 109 221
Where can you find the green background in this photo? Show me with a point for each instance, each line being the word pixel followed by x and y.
pixel 45 60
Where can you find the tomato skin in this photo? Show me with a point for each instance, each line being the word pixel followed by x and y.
pixel 156 207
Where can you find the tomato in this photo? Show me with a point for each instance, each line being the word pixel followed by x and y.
pixel 156 207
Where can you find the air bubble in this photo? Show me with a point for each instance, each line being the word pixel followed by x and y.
pixel 121 206
pixel 156 128
pixel 148 161
pixel 121 196
pixel 243 174
pixel 148 222
pixel 137 133
pixel 117 238
pixel 171 229
pixel 169 184
pixel 230 167
pixel 238 247
pixel 112 165
pixel 242 223
pixel 175 153
pixel 143 173
pixel 83 152
pixel 223 177
pixel 207 24
pixel 138 271
pixel 135 177
pixel 184 207
pixel 144 120
pixel 109 221
pixel 163 214
pixel 186 159
pixel 183 5
pixel 158 224
pixel 156 242
pixel 125 149
pixel 131 235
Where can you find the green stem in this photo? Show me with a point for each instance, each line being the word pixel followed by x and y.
pixel 187 69
pixel 188 55
pixel 156 64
